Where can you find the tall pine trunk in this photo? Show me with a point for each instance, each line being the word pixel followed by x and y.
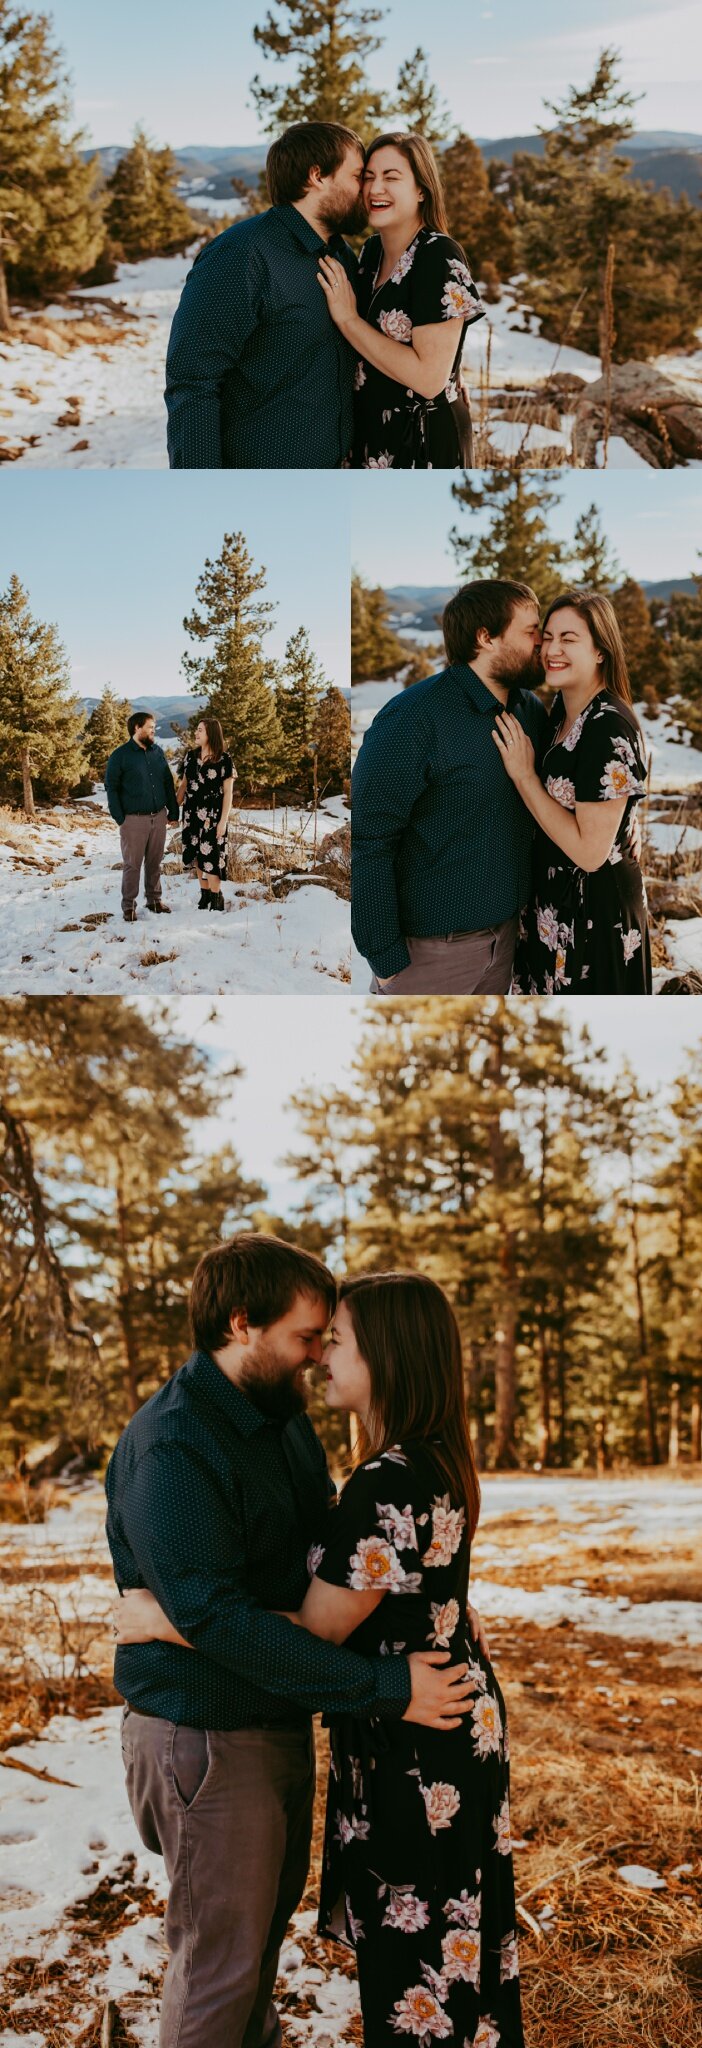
pixel 5 321
pixel 27 790
pixel 504 1452
pixel 645 1376
pixel 125 1297
pixel 544 1399
pixel 696 1426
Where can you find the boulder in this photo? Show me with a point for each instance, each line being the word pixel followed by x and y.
pixel 334 861
pixel 658 415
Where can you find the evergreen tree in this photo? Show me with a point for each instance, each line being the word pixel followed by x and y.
pixel 579 200
pixel 105 730
pixel 518 544
pixel 333 41
pixel 376 650
pixel 42 726
pixel 145 215
pixel 331 733
pixel 418 105
pixel 234 676
pixel 647 655
pixel 596 567
pixel 50 216
pixel 297 697
pixel 478 217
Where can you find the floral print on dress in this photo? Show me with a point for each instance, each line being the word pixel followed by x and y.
pixel 395 427
pixel 417 1870
pixel 588 931
pixel 202 809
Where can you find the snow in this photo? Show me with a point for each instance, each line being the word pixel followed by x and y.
pixel 678 838
pixel 673 1623
pixel 645 1508
pixel 63 932
pixel 517 357
pixel 639 1875
pixel 684 941
pixel 676 765
pixel 619 455
pixel 508 437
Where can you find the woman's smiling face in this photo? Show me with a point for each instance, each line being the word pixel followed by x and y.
pixel 391 195
pixel 348 1381
pixel 568 652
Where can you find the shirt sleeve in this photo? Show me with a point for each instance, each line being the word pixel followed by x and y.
pixel 608 761
pixel 370 1538
pixel 391 774
pixel 190 1549
pixel 219 310
pixel 441 284
pixel 113 782
pixel 171 798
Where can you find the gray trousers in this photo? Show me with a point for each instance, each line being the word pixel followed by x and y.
pixel 231 1814
pixel 464 964
pixel 142 839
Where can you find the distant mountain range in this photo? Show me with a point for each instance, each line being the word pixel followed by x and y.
pixel 168 711
pixel 662 158
pixel 417 606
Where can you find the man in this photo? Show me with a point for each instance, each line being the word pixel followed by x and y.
pixel 441 841
pixel 258 376
pixel 216 1491
pixel 141 798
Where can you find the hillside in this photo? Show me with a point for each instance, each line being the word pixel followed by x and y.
pixel 170 712
pixel 417 604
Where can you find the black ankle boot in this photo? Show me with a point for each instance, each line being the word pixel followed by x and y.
pixel 205 900
pixel 217 901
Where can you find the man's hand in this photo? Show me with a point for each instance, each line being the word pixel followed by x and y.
pixel 477 1631
pixel 439 1698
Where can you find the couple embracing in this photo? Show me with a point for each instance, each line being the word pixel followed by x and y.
pixel 289 352
pixel 495 844
pixel 252 1596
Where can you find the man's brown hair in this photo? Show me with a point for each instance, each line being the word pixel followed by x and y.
pixel 490 605
pixel 307 146
pixel 261 1275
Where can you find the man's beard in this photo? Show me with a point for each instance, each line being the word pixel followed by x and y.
pixel 344 218
pixel 278 1398
pixel 516 674
pixel 147 743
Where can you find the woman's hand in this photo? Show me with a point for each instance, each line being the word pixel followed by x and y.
pixel 221 829
pixel 138 1618
pixel 515 747
pixel 338 292
pixel 477 1631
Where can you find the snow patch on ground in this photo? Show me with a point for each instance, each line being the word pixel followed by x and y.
pixel 62 931
pixel 518 356
pixel 675 764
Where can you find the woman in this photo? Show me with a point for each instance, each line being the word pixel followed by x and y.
pixel 416 298
pixel 417 1873
pixel 586 926
pixel 205 792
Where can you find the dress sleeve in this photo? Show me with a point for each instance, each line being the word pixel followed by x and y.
pixel 608 761
pixel 370 1541
pixel 228 766
pixel 441 284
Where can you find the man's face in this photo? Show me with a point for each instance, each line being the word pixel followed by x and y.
pixel 341 209
pixel 146 734
pixel 276 1360
pixel 515 656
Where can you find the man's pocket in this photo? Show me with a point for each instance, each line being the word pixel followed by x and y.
pixel 191 1758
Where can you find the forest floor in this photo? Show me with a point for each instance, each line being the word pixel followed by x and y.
pixel 672 829
pixel 284 930
pixel 592 1594
pixel 81 382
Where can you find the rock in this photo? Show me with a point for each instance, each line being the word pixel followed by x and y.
pixel 659 416
pixel 334 861
pixel 562 384
pixel 673 899
pixel 683 985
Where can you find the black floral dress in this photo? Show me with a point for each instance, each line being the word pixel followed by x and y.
pixel 202 810
pixel 396 428
pixel 588 933
pixel 417 1873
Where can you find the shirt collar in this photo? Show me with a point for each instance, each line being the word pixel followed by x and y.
pixel 305 233
pixel 207 1377
pixel 484 699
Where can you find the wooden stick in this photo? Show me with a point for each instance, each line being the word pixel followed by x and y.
pixel 12 1763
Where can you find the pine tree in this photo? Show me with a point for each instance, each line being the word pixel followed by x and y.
pixel 297 697
pixel 42 726
pixel 376 650
pixel 518 544
pixel 331 733
pixel 578 200
pixel 418 105
pixel 235 677
pixel 333 41
pixel 105 730
pixel 648 658
pixel 50 216
pixel 596 567
pixel 478 217
pixel 145 215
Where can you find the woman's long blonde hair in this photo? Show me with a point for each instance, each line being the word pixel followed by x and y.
pixel 603 626
pixel 425 171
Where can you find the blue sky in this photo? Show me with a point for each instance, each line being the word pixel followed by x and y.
pixel 280 1053
pixel 185 72
pixel 653 519
pixel 113 558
